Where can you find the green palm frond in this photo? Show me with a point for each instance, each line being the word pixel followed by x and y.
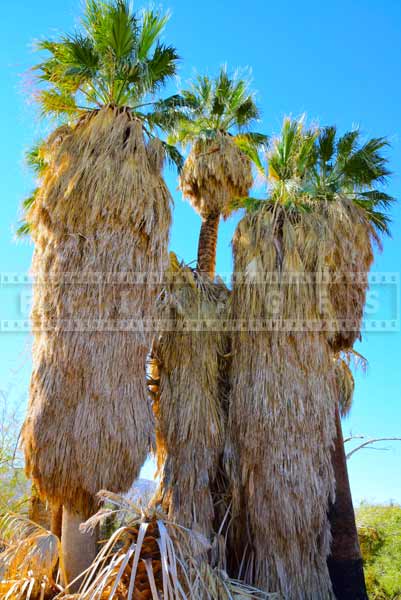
pixel 58 103
pixel 152 26
pixel 23 229
pixel 308 166
pixel 222 105
pixel 326 143
pixel 115 58
pixel 251 145
pixel 173 156
pixel 34 158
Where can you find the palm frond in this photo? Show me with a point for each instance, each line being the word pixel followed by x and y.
pixel 115 58
pixel 161 66
pixel 326 143
pixel 173 155
pixel 252 144
pixel 308 167
pixel 57 103
pixel 153 23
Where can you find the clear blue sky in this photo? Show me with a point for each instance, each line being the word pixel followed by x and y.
pixel 339 61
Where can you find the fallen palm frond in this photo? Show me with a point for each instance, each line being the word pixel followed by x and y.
pixel 145 558
pixel 28 559
pixel 150 557
pixel 100 220
pixel 214 584
pixel 189 404
pixel 281 424
pixel 215 172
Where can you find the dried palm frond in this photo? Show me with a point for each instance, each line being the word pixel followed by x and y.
pixel 151 557
pixel 345 377
pixel 347 262
pixel 281 425
pixel 28 560
pixel 38 511
pixel 214 584
pixel 101 219
pixel 189 404
pixel 145 559
pixel 215 172
pixel 346 386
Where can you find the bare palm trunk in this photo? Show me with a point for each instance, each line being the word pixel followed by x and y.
pixel 207 245
pixel 78 550
pixel 345 561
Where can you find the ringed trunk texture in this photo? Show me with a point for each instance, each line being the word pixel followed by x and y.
pixel 345 560
pixel 78 550
pixel 101 219
pixel 207 245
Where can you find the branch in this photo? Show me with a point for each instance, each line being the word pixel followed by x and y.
pixel 353 437
pixel 372 441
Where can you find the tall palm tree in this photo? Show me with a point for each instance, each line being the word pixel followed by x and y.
pixel 217 125
pixel 190 415
pixel 100 218
pixel 322 214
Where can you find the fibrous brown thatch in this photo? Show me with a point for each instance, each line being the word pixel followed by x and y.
pixel 215 172
pixel 346 385
pixel 101 218
pixel 349 256
pixel 281 423
pixel 190 418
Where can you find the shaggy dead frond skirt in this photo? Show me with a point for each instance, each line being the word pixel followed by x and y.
pixel 190 418
pixel 101 220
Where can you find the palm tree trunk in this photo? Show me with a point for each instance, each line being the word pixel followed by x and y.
pixel 345 561
pixel 207 245
pixel 78 550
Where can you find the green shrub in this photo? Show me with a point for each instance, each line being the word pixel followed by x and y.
pixel 379 529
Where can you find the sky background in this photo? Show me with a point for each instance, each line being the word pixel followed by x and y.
pixel 339 62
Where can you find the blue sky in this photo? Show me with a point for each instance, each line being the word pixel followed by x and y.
pixel 339 62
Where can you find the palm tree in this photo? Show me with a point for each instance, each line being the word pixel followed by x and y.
pixel 322 214
pixel 218 168
pixel 190 407
pixel 100 217
pixel 189 402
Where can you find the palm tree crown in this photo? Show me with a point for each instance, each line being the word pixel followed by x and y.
pixel 306 166
pixel 221 105
pixel 218 116
pixel 116 59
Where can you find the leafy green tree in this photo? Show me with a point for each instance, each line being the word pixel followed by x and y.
pixel 13 484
